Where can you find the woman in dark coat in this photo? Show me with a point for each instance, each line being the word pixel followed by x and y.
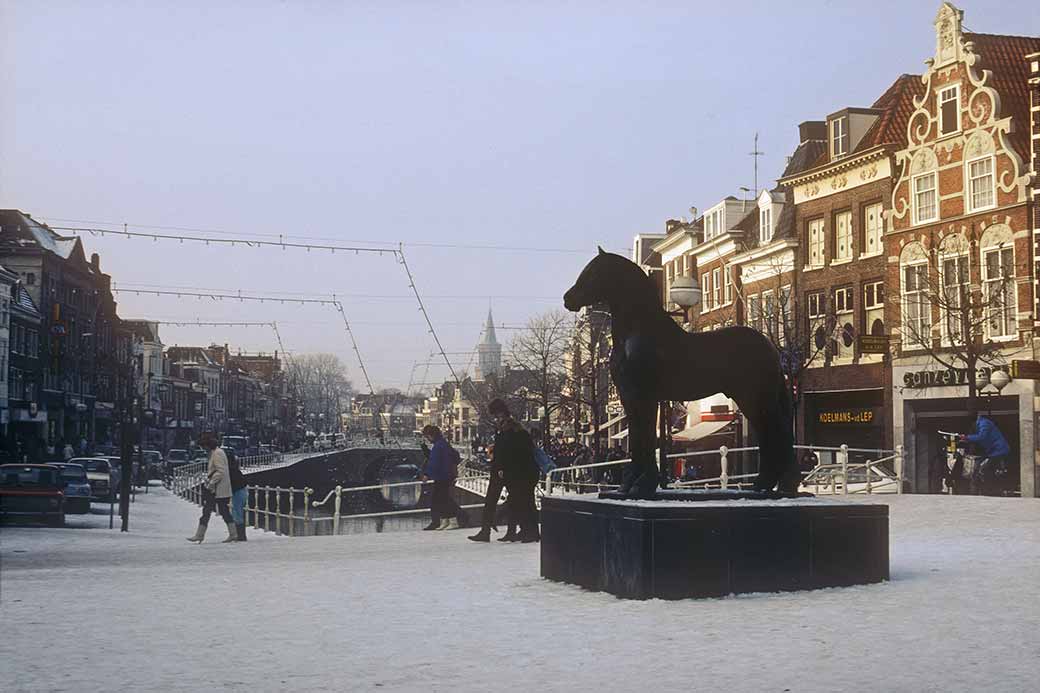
pixel 514 454
pixel 442 469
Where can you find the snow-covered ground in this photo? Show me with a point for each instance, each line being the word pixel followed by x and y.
pixel 86 608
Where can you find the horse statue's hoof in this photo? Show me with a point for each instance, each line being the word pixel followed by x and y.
pixel 644 487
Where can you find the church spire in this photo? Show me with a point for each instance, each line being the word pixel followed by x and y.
pixel 489 329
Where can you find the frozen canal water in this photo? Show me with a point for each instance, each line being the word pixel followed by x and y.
pixel 86 608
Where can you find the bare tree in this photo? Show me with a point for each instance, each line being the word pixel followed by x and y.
pixel 955 313
pixel 539 350
pixel 587 383
pixel 801 339
pixel 324 388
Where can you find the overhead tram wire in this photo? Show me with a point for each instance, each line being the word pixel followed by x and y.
pixel 282 239
pixel 429 323
pixel 334 302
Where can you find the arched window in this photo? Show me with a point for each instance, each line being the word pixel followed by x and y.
pixel 916 304
pixel 955 298
pixel 924 186
pixel 1000 300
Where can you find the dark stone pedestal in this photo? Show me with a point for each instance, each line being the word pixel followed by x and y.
pixel 675 550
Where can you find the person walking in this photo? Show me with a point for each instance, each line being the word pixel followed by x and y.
pixel 494 491
pixel 994 448
pixel 442 468
pixel 239 496
pixel 216 489
pixel 514 452
pixel 67 453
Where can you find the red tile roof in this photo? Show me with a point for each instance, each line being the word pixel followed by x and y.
pixel 1005 57
pixel 897 105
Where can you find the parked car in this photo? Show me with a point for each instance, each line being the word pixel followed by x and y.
pixel 240 444
pixel 176 457
pixel 77 487
pixel 100 475
pixel 32 491
pixel 153 461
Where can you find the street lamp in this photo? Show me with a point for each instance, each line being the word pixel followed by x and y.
pixel 686 293
pixel 996 378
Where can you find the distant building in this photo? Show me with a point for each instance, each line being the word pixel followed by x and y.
pixel 489 352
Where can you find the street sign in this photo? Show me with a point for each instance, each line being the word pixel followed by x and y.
pixel 1026 370
pixel 873 344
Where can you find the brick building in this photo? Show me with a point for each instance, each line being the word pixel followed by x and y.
pixel 839 203
pixel 960 221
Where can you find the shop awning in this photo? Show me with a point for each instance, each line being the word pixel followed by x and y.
pixel 620 436
pixel 700 430
pixel 611 422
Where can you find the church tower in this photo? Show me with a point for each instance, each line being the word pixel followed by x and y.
pixel 489 351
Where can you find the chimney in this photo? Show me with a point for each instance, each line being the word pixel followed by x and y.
pixel 672 225
pixel 812 130
pixel 95 262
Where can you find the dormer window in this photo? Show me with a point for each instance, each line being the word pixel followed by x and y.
pixel 950 110
pixel 765 225
pixel 839 136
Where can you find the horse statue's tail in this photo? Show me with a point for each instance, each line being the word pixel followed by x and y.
pixel 777 467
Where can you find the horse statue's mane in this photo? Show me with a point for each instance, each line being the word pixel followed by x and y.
pixel 636 288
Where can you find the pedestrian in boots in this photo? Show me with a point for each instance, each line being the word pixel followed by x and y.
pixel 216 489
pixel 442 468
pixel 239 496
pixel 514 453
pixel 494 492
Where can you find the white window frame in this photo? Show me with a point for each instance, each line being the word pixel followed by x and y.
pixel 920 297
pixel 969 183
pixel 947 336
pixel 819 243
pixel 727 283
pixel 843 219
pixel 839 135
pixel 754 312
pixel 765 225
pixel 705 292
pixel 844 313
pixel 784 301
pixel 716 286
pixel 918 219
pixel 818 311
pixel 875 231
pixel 871 291
pixel 1011 311
pixel 940 100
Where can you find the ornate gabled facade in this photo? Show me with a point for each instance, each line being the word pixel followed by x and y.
pixel 959 221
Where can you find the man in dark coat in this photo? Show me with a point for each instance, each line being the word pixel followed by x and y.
pixel 514 454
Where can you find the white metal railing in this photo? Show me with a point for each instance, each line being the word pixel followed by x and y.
pixel 823 478
pixel 279 509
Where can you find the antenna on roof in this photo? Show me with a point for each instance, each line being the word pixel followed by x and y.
pixel 755 153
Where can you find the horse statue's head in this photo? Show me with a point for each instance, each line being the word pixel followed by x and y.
pixel 611 279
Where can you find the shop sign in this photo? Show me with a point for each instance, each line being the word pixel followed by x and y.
pixel 1027 370
pixel 846 416
pixel 873 344
pixel 943 378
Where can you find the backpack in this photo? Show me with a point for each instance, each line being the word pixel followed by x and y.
pixel 542 459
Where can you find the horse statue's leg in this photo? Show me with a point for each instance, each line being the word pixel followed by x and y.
pixel 640 478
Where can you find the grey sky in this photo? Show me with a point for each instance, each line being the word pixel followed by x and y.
pixel 551 125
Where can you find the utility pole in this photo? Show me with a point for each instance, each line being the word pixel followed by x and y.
pixel 126 442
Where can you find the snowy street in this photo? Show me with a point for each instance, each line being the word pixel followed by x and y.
pixel 88 608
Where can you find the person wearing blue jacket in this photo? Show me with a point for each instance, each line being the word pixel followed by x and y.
pixel 994 448
pixel 442 468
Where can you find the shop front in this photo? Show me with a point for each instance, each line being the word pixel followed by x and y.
pixel 854 417
pixel 928 399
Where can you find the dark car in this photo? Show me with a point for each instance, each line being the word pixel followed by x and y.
pixel 77 487
pixel 32 491
pixel 153 463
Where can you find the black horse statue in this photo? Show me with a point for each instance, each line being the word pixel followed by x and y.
pixel 654 360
